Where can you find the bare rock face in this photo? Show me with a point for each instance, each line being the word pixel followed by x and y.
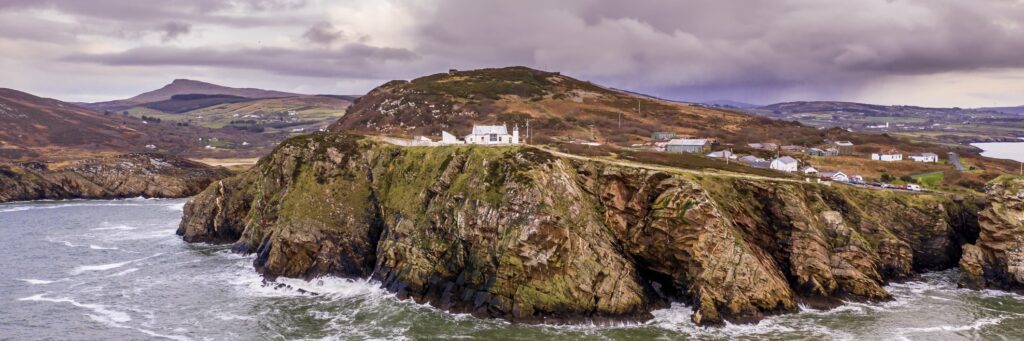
pixel 519 234
pixel 997 259
pixel 121 176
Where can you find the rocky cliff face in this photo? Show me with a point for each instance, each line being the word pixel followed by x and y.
pixel 997 259
pixel 520 234
pixel 122 176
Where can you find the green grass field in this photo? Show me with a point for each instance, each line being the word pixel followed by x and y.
pixel 931 179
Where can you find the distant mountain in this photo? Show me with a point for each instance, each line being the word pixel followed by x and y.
pixel 1008 110
pixel 185 87
pixel 36 128
pixel 730 104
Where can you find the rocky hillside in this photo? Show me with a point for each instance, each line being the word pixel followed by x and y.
pixel 557 106
pixel 31 125
pixel 121 176
pixel 520 234
pixel 997 259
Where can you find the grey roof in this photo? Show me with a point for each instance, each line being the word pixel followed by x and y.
pixel 927 155
pixel 722 154
pixel 830 174
pixel 486 130
pixel 688 142
pixel 760 164
pixel 844 143
pixel 787 160
pixel 751 158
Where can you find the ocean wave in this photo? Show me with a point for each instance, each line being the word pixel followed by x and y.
pixel 119 227
pixel 104 267
pixel 105 314
pixel 36 281
pixel 96 247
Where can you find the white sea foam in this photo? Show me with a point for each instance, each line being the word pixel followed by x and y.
pixel 176 207
pixel 115 227
pixel 978 324
pixel 101 267
pixel 104 267
pixel 35 281
pixel 104 314
pixel 97 247
pixel 125 272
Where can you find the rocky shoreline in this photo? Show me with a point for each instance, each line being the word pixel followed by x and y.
pixel 519 234
pixel 113 177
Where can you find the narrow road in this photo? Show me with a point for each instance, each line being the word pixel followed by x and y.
pixel 955 160
pixel 659 168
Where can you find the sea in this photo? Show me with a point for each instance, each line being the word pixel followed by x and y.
pixel 115 270
pixel 1002 150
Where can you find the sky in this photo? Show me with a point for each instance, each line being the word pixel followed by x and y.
pixel 916 52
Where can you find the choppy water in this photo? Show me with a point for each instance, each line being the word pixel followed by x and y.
pixel 106 270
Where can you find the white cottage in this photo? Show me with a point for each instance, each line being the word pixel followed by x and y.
pixel 888 157
pixel 785 164
pixel 925 157
pixel 492 135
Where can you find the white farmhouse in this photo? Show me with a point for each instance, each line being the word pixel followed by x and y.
pixel 888 157
pixel 925 157
pixel 492 135
pixel 809 170
pixel 785 164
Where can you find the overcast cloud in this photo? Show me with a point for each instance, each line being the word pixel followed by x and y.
pixel 925 52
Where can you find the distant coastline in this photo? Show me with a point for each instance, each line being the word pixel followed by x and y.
pixel 1002 150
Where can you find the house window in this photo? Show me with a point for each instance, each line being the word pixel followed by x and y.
pixel 494 137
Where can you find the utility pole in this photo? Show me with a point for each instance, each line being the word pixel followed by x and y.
pixel 529 138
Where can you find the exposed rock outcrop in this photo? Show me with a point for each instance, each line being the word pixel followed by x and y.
pixel 997 259
pixel 520 234
pixel 121 176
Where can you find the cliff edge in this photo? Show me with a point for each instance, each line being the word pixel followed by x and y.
pixel 521 234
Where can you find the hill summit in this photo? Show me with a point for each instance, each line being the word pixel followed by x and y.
pixel 557 107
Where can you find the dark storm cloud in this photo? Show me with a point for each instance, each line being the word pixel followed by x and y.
pixel 698 50
pixel 173 30
pixel 733 47
pixel 352 60
pixel 323 33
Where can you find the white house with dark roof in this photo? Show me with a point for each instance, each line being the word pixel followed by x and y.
pixel 497 134
pixel 925 157
pixel 785 164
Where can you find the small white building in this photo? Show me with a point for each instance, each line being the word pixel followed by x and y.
pixel 925 157
pixel 835 176
pixel 722 154
pixel 887 157
pixel 687 146
pixel 809 170
pixel 492 135
pixel 448 138
pixel 785 164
